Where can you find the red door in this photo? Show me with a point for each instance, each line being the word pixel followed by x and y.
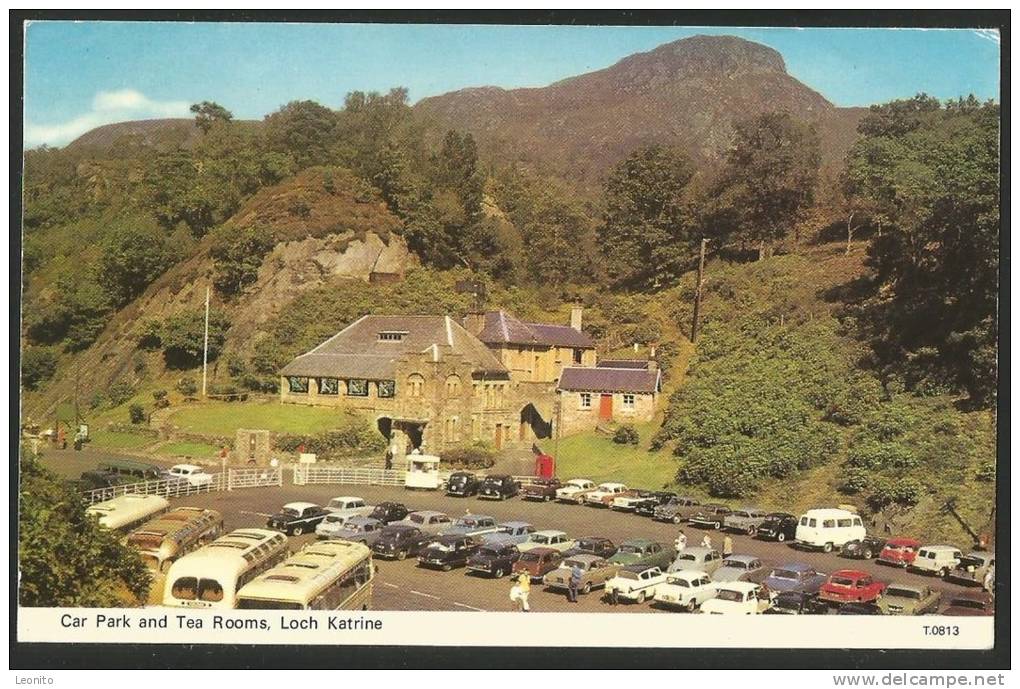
pixel 606 407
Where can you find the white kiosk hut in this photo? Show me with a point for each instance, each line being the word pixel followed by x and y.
pixel 422 471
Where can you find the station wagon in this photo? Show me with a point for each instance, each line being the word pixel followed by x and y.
pixel 595 572
pixel 557 540
pixel 472 525
pixel 909 599
pixel 745 520
pixel 510 532
pixel 640 551
pixel 429 521
pixel 697 558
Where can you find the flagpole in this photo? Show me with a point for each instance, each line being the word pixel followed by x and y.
pixel 205 345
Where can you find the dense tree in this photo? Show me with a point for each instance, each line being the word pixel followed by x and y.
pixel 238 255
pixel 38 364
pixel 131 257
pixel 182 337
pixel 303 130
pixel 207 113
pixel 645 236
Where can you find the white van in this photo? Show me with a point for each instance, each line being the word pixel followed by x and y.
pixel 940 560
pixel 828 528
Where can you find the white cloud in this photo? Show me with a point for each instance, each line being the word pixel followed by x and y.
pixel 107 107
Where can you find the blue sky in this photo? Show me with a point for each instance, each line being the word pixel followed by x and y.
pixel 81 75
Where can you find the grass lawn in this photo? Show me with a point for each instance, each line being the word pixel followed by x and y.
pixel 224 418
pixel 118 441
pixel 187 449
pixel 595 456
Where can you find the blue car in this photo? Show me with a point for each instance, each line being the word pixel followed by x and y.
pixel 510 532
pixel 794 576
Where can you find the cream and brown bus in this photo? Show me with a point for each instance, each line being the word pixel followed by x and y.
pixel 129 511
pixel 325 575
pixel 174 534
pixel 211 576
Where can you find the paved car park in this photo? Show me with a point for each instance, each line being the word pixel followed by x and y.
pixel 401 585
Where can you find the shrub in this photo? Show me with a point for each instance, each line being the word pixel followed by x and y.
pixel 986 472
pixel 38 365
pixel 119 393
pixel 477 456
pixel 357 438
pixel 228 392
pixel 626 435
pixel 136 412
pixel 186 386
pixel 160 399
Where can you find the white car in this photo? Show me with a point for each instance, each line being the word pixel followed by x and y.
pixel 333 524
pixel 636 583
pixel 574 490
pixel 936 559
pixel 626 503
pixel 429 521
pixel 602 495
pixel 737 598
pixel 829 529
pixel 685 589
pixel 349 505
pixel 557 540
pixel 192 473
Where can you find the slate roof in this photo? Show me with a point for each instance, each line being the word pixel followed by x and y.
pixel 609 380
pixel 502 328
pixel 624 363
pixel 357 352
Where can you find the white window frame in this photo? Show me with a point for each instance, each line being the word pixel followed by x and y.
pixel 629 404
pixel 584 400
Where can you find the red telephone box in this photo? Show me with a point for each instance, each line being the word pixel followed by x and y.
pixel 545 466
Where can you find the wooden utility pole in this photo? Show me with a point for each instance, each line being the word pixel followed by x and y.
pixel 697 292
pixel 205 345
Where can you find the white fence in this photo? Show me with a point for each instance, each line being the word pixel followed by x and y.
pixel 305 474
pixel 241 477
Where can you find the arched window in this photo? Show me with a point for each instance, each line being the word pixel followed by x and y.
pixel 415 385
pixel 453 385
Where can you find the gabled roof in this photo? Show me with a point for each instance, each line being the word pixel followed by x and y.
pixel 624 363
pixel 502 328
pixel 358 352
pixel 631 380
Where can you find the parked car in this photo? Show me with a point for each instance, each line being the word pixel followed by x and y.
pixel 349 505
pixel 429 521
pixel 537 562
pixel 778 526
pixel 447 552
pixel 860 609
pixel 641 551
pixel 677 510
pixel 94 480
pixel 744 520
pixel 191 473
pixel 397 541
pixel 498 487
pixel 636 582
pixel 741 568
pixel 971 604
pixel 574 490
pixel 462 484
pixel 850 586
pixel 710 516
pixel 494 558
pixel 297 518
pixel 557 540
pixel 543 489
pixel 939 560
pixel 909 599
pixel 737 598
pixel 972 568
pixel 387 512
pixel 511 532
pixel 333 524
pixel 697 559
pixel 604 493
pixel 797 603
pixel 595 572
pixel 592 545
pixel 629 500
pixel 899 552
pixel 472 525
pixel 651 501
pixel 685 589
pixel 360 530
pixel 794 576
pixel 828 529
pixel 863 548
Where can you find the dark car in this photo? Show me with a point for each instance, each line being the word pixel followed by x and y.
pixel 494 558
pixel 778 526
pixel 709 516
pixel 971 604
pixel 498 487
pixel 297 518
pixel 592 545
pixel 387 512
pixel 543 489
pixel 399 540
pixel 94 480
pixel 447 552
pixel 798 603
pixel 859 609
pixel 650 500
pixel 538 562
pixel 863 548
pixel 462 484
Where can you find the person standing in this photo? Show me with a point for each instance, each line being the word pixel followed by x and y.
pixel 524 582
pixel 681 541
pixel 727 546
pixel 575 583
pixel 706 542
pixel 989 581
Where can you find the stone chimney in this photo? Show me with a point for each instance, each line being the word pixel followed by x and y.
pixel 474 321
pixel 575 317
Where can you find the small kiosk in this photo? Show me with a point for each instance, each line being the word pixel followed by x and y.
pixel 422 471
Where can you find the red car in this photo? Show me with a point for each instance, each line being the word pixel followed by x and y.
pixel 538 562
pixel 899 552
pixel 850 586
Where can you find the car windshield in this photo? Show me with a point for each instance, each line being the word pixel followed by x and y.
pixel 967 603
pixel 899 548
pixel 971 562
pixel 687 557
pixel 627 574
pixel 735 564
pixel 903 593
pixel 842 581
pixel 441 547
pixel 335 519
pixel 539 538
pixel 291 512
pixel 465 521
pixel 784 574
pixel 570 564
pixel 531 556
pixel 490 482
pixel 458 479
pixel 731 596
pixel 417 518
pixel 490 551
pixel 678 581
pixel 625 548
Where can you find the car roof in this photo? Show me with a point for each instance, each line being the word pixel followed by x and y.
pixel 429 513
pixel 796 566
pixel 543 551
pixel 497 541
pixel 347 497
pixel 940 547
pixel 447 538
pixel 390 503
pixel 780 515
pixel 498 476
pixel 744 586
pixel 594 538
pixel 919 588
pixel 829 512
pixel 583 557
pixel 638 541
pixel 612 484
pixel 640 568
pixel 850 573
pixel 474 516
pixel 514 524
pixel 743 558
pixel 903 541
pixel 982 596
pixel 300 505
pixel 749 509
pixel 688 574
pixel 587 480
pixel 696 550
pixel 549 532
pixel 185 466
pixel 977 554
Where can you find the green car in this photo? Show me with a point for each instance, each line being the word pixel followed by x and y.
pixel 641 551
pixel 909 599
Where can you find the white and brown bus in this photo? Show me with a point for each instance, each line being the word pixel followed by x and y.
pixel 211 576
pixel 325 575
pixel 170 536
pixel 128 512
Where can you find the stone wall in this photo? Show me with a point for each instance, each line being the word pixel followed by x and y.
pixel 574 418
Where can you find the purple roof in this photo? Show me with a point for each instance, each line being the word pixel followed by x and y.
pixel 609 380
pixel 502 328
pixel 624 363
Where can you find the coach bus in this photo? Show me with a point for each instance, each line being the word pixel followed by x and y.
pixel 326 575
pixel 170 536
pixel 128 512
pixel 211 576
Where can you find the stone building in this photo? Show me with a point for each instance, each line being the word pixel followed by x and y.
pixel 619 391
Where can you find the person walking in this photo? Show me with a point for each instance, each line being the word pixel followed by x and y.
pixel 706 542
pixel 727 546
pixel 989 581
pixel 681 541
pixel 575 583
pixel 524 582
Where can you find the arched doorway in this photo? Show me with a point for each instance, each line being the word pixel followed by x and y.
pixel 533 426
